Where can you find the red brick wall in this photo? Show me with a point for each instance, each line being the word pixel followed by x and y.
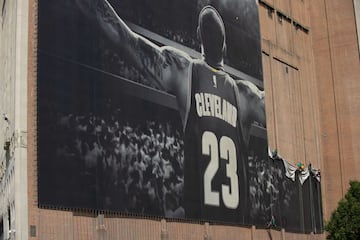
pixel 337 74
pixel 312 98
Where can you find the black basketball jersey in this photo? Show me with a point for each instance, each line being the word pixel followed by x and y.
pixel 215 186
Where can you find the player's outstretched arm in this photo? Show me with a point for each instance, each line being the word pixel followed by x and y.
pixel 253 101
pixel 147 57
pixel 252 105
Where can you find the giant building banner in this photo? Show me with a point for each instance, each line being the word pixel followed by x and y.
pixel 156 108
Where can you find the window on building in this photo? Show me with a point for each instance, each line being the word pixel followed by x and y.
pixel 3 8
pixel 9 218
pixel 1 229
pixel 357 19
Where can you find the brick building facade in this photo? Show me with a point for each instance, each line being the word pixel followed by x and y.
pixel 311 70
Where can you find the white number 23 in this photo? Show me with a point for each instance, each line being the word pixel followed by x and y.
pixel 211 147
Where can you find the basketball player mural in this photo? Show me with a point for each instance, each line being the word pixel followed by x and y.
pixel 216 111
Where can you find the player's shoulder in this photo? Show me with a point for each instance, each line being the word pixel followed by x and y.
pixel 248 88
pixel 229 79
pixel 175 56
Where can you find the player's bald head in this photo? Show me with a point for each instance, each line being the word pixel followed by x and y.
pixel 212 34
